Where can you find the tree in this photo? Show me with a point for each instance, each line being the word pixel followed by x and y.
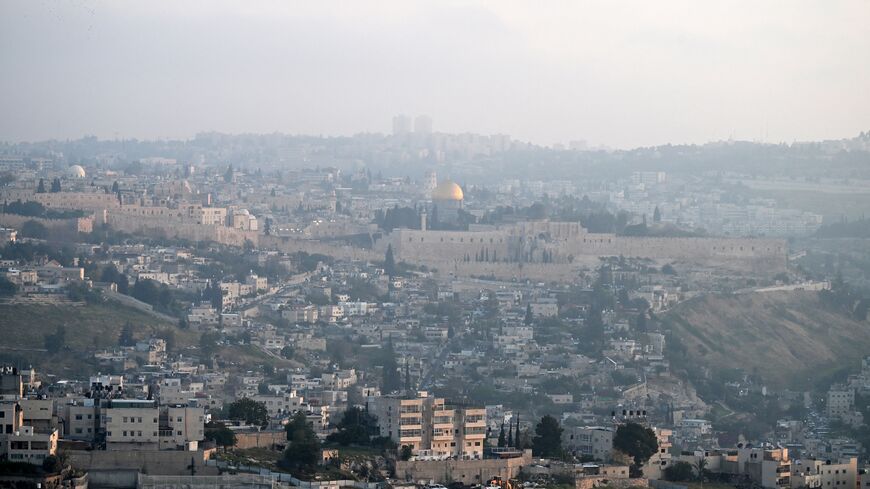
pixel 406 452
pixel 57 340
pixel 40 189
pixel 638 442
pixel 52 464
pixel 249 411
pixel 7 288
pixel 389 262
pixel 228 176
pixel 126 337
pixel 392 379
pixel 111 275
pixel 303 447
pixel 502 441
pixel 657 215
pixel 548 438
pixel 679 472
pixel 33 229
pixel 220 434
pixel 356 427
pixel 701 469
pixel 55 185
pixel 529 317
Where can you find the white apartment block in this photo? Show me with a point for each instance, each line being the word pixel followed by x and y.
pixel 840 402
pixel 595 442
pixel 433 429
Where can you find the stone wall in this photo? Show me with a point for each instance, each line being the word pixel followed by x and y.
pixel 465 471
pixel 343 252
pixel 499 251
pixel 159 227
pixel 593 482
pixel 155 462
pixel 261 439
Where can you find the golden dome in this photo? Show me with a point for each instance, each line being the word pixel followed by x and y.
pixel 447 190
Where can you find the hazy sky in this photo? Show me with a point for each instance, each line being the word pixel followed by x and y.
pixel 622 74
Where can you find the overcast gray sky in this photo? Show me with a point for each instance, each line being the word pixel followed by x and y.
pixel 622 74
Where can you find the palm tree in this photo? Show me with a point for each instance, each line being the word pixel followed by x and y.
pixel 701 468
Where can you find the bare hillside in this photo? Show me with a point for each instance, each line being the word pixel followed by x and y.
pixel 788 338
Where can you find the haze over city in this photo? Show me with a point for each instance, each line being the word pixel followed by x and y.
pixel 448 244
pixel 620 74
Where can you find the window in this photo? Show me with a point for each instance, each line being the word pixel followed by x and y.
pixel 78 417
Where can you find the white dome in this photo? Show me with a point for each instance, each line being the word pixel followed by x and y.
pixel 76 171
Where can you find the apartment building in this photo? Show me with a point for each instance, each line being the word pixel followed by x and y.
pixel 181 427
pixel 135 424
pixel 432 428
pixel 840 401
pixel 132 424
pixel 594 442
pixel 20 442
pixel 26 445
pixel 81 419
pixel 825 474
pixel 280 404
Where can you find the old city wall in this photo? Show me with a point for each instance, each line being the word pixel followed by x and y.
pixel 162 227
pixel 343 252
pixel 429 247
pixel 460 250
pixel 739 253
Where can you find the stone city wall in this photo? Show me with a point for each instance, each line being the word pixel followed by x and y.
pixel 343 252
pixel 165 228
pixel 504 250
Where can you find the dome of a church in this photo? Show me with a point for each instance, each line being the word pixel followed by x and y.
pixel 76 171
pixel 447 190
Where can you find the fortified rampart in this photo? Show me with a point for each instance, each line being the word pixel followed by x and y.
pixel 342 252
pixel 161 227
pixel 569 246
